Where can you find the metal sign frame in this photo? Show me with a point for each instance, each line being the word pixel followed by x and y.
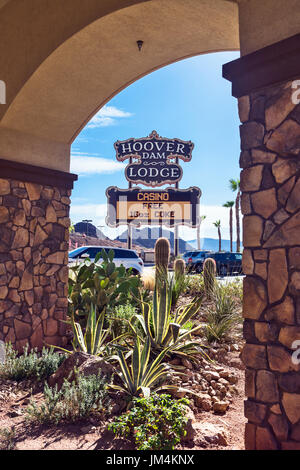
pixel 180 196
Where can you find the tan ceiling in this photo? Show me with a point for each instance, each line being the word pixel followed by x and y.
pixel 102 58
pixel 62 60
pixel 3 2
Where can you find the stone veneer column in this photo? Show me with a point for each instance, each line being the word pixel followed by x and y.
pixel 34 235
pixel 270 184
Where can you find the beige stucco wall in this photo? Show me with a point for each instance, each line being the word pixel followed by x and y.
pixel 63 60
pixel 263 22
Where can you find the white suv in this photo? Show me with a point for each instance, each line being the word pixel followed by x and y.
pixel 127 258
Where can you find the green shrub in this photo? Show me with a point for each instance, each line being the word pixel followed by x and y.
pixel 30 365
pixel 7 439
pixel 223 316
pixel 74 401
pixel 224 303
pixel 195 284
pixel 119 319
pixel 156 423
pixel 235 289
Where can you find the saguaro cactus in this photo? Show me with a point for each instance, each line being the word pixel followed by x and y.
pixel 162 257
pixel 179 268
pixel 209 276
pixel 178 283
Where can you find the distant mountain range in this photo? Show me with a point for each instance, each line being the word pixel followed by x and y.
pixel 147 237
pixel 89 230
pixel 212 244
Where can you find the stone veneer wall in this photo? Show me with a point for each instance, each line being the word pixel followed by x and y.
pixel 270 184
pixel 34 222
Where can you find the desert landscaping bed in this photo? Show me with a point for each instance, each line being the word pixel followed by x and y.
pixel 212 430
pixel 119 384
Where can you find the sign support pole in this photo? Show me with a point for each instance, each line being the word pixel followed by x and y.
pixel 176 238
pixel 143 171
pixel 129 226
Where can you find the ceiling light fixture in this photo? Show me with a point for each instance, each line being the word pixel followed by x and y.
pixel 140 44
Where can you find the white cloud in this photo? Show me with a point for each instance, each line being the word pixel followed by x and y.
pixel 107 116
pixel 86 164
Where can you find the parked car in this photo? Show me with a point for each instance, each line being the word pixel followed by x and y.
pixel 227 263
pixel 187 255
pixel 196 256
pixel 127 258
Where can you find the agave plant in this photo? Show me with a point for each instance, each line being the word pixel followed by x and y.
pixel 141 376
pixel 165 330
pixel 92 341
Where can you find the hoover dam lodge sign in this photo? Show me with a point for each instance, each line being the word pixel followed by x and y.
pixel 154 157
pixel 154 162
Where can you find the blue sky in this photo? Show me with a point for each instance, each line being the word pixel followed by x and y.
pixel 189 100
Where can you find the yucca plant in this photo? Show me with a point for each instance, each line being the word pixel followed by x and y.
pixel 165 330
pixel 216 330
pixel 92 341
pixel 141 376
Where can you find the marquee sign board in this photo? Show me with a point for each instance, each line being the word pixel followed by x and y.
pixel 154 157
pixel 145 207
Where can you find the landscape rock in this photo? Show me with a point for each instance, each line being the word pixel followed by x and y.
pixel 190 426
pixel 85 364
pixel 209 434
pixel 220 407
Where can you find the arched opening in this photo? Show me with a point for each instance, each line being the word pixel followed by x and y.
pixel 191 101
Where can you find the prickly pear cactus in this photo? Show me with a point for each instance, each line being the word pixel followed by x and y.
pixel 209 276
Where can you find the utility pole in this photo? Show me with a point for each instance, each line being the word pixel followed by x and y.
pixel 87 221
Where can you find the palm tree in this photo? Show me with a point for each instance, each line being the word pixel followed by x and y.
pixel 229 205
pixel 198 231
pixel 218 225
pixel 235 186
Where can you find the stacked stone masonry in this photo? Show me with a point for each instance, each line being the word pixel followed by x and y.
pixel 34 234
pixel 270 184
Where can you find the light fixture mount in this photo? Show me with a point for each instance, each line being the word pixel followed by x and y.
pixel 140 44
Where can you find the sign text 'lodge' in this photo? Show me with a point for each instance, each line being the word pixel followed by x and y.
pixel 154 155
